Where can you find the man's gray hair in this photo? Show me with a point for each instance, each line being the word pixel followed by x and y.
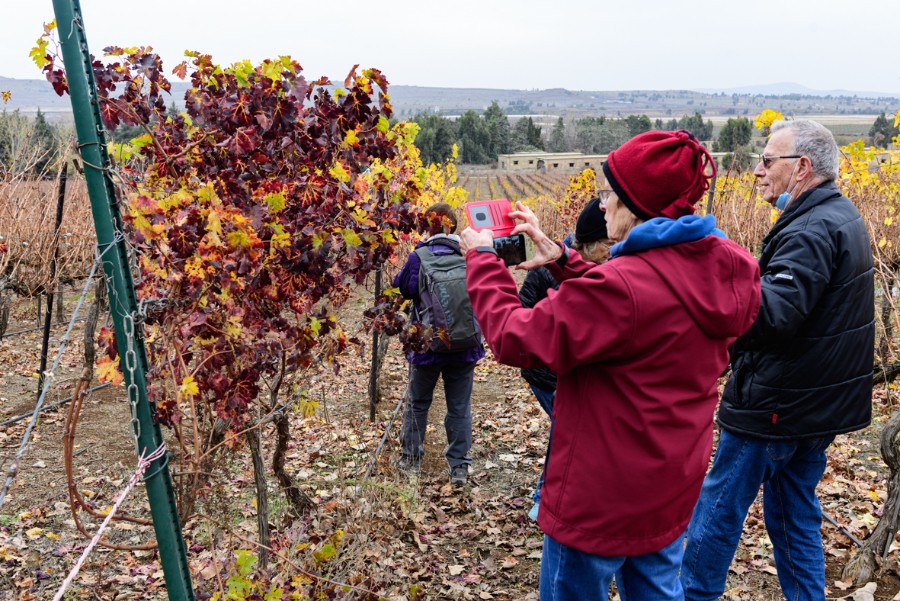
pixel 815 141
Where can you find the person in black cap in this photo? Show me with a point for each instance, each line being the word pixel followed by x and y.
pixel 591 239
pixel 592 243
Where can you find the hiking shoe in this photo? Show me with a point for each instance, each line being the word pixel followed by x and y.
pixel 459 475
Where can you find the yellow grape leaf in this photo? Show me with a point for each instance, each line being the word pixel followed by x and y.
pixel 383 124
pixel 351 138
pixel 213 223
pixel 351 237
pixel 287 63
pixel 273 70
pixel 119 152
pixel 241 72
pixel 189 387
pixel 142 141
pixel 206 194
pixel 193 267
pixel 143 225
pixel 337 537
pixel 52 536
pixel 339 172
pixel 34 532
pixel 181 198
pixel 363 218
pixel 238 238
pixel 280 239
pixel 315 325
pixel 39 53
pixel 275 202
pixel 276 594
pixel 108 370
pixel 328 551
pixel 233 329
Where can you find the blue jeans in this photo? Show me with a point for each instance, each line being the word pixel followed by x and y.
pixel 568 574
pixel 544 398
pixel 458 378
pixel 789 472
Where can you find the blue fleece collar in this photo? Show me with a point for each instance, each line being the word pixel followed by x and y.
pixel 662 231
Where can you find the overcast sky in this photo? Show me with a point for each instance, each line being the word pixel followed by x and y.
pixel 521 44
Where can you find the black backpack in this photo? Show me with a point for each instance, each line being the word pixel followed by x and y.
pixel 443 299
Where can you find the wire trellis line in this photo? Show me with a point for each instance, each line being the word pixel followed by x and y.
pixel 26 438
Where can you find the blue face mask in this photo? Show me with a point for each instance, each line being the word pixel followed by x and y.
pixel 785 197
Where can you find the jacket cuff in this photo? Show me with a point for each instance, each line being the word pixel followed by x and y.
pixel 564 258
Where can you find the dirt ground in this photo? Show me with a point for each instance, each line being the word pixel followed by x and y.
pixel 411 538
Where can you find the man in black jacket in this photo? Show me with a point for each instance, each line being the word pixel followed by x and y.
pixel 800 375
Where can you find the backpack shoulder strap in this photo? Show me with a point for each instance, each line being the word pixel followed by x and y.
pixel 451 244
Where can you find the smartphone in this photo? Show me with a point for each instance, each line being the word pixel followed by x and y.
pixel 494 215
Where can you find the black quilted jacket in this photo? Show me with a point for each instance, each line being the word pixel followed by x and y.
pixel 804 368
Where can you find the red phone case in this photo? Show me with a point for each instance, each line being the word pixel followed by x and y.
pixel 498 213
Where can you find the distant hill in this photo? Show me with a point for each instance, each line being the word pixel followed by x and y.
pixel 545 106
pixel 788 88
pixel 32 93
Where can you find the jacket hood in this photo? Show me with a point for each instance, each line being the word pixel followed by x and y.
pixel 714 290
pixel 662 231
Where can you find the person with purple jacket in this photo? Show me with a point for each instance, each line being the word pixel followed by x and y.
pixel 456 367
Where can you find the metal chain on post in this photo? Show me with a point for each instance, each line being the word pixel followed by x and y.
pixel 131 366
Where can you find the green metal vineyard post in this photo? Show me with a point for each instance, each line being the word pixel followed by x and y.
pixel 122 299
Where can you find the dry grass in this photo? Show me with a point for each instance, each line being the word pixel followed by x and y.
pixel 27 223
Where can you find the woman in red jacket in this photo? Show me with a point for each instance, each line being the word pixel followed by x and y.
pixel 638 343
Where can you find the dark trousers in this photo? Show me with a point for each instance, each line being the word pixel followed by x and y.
pixel 458 379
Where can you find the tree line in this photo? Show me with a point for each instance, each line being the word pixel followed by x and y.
pixel 482 137
pixel 28 146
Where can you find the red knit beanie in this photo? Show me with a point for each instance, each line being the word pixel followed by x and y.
pixel 660 173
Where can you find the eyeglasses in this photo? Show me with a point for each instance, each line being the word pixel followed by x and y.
pixel 767 160
pixel 604 194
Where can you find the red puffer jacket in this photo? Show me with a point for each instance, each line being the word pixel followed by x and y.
pixel 638 343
